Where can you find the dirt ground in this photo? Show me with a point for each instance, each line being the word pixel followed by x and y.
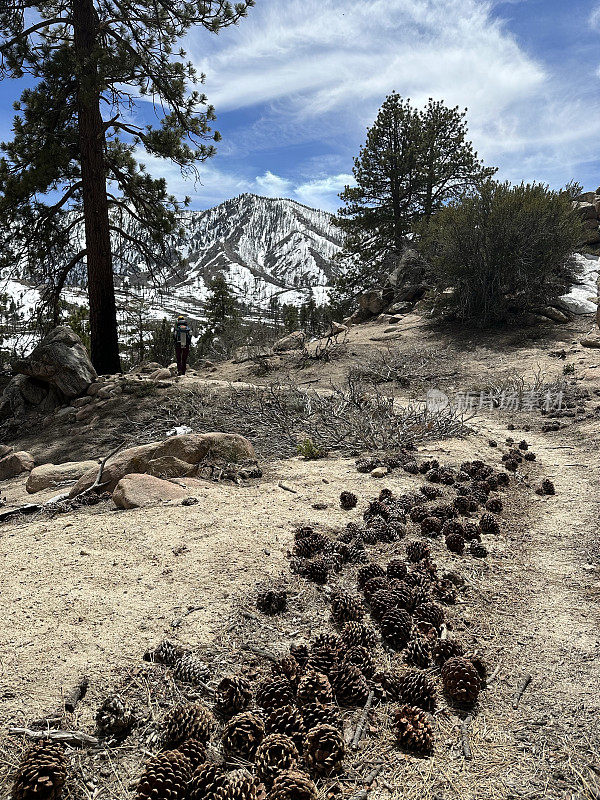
pixel 89 592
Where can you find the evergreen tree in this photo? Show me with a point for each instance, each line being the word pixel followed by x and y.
pixel 412 163
pixel 161 343
pixel 76 139
pixel 290 318
pixel 222 317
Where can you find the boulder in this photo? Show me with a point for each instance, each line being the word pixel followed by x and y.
pixel 338 329
pixel 411 292
pixel 371 301
pixel 49 475
pixel 587 197
pixel 400 308
pixel 162 374
pixel 293 341
pixel 14 464
pixel 5 450
pixel 591 340
pixel 173 457
pixel 586 210
pixel 250 352
pixel 139 490
pixel 60 361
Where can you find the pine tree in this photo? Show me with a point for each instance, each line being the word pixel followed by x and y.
pixel 93 59
pixel 412 163
pixel 222 317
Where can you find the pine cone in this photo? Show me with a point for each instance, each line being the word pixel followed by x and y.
pixel 314 687
pixel 530 456
pixel 293 785
pixel 233 695
pixel 420 595
pixel 300 653
pixel 546 487
pixel 206 782
pixel 42 772
pixel 430 612
pixel 471 531
pixel 374 585
pixel 367 572
pixel 418 652
pixel 377 508
pixel 348 501
pixel 275 754
pixel 413 730
pixel 349 686
pixel 488 524
pixel 396 570
pixel 166 776
pixel 187 721
pixel 272 602
pixel 417 551
pixel 367 464
pixel 445 649
pixel 461 680
pixel 345 608
pixel 114 717
pixel 316 571
pixel 430 492
pixel 418 513
pixel 413 688
pixel 274 692
pixel 411 467
pixel 243 787
pixel 324 750
pixel 455 543
pixel 167 652
pixel 494 504
pixel 462 504
pixel 361 658
pixel 475 657
pixel 315 714
pixel 194 751
pixel 396 627
pixel 242 735
pixel 311 545
pixel 356 634
pixel 329 640
pixel 405 595
pixel 289 668
pixel 478 550
pixel 431 526
pixel 382 602
pixel 357 553
pixel 191 669
pixel 322 659
pixel 287 721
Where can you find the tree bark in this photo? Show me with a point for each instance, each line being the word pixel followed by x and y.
pixel 101 290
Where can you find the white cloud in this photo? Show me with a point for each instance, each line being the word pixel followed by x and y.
pixel 595 19
pixel 271 185
pixel 322 192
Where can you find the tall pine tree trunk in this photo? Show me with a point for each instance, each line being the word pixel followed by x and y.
pixel 103 312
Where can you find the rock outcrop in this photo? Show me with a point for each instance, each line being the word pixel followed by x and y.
pixel 293 341
pixel 15 464
pixel 175 457
pixel 56 371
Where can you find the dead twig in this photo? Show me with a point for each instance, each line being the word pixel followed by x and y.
pixel 464 734
pixel 363 793
pixel 75 738
pixel 524 684
pixel 361 722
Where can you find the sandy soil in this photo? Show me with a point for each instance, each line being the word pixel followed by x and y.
pixel 90 591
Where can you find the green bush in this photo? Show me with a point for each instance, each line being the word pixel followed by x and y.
pixel 311 451
pixel 503 250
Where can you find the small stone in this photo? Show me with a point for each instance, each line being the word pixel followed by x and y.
pixel 379 472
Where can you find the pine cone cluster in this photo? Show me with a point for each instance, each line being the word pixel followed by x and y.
pixel 206 781
pixel 414 731
pixel 42 772
pixel 288 721
pixel 368 571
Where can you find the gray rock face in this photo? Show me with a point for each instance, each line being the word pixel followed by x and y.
pixel 60 361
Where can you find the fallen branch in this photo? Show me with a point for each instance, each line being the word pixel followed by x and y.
pixel 363 793
pixel 524 684
pixel 287 488
pixel 97 482
pixel 76 694
pixel 362 721
pixel 464 734
pixel 259 652
pixel 494 674
pixel 75 738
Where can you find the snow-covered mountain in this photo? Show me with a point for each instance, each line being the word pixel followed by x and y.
pixel 264 247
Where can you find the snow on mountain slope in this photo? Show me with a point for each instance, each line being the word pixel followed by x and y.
pixel 265 247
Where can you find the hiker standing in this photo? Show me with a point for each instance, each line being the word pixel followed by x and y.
pixel 182 336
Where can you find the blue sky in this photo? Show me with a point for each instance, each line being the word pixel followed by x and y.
pixel 296 84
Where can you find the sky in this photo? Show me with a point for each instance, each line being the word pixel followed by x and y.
pixel 297 83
